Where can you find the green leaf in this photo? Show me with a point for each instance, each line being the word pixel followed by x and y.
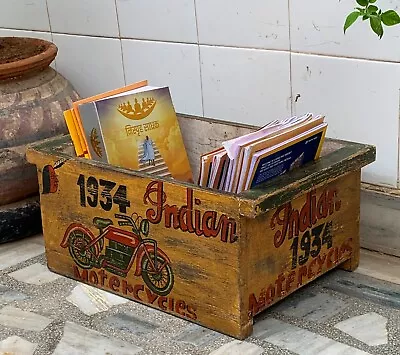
pixel 372 1
pixel 362 2
pixel 372 9
pixel 390 18
pixel 376 25
pixel 365 17
pixel 351 18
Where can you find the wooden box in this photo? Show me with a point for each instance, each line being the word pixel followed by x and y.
pixel 216 259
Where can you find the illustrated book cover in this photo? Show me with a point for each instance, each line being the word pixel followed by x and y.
pixel 137 129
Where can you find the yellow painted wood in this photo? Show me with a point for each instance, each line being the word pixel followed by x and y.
pixel 224 251
pixel 295 243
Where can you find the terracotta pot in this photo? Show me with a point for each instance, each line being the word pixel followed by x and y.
pixel 33 97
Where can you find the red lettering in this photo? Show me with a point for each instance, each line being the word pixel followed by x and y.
pixel 161 301
pixel 171 212
pixel 320 262
pixel 136 290
pixel 301 273
pixel 151 296
pixel 171 304
pixel 283 221
pixel 310 269
pixel 279 291
pixel 191 312
pixel 179 306
pixel 114 283
pixel 126 287
pixel 103 277
pixel 77 275
pixel 289 280
pixel 93 279
pixel 154 216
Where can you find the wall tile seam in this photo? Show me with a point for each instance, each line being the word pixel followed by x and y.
pixel 211 45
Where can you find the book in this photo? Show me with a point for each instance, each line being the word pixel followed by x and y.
pixel 244 162
pixel 285 156
pixel 134 127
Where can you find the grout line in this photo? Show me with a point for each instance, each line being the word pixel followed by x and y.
pixel 292 103
pixel 120 42
pixel 219 46
pixel 198 48
pixel 398 147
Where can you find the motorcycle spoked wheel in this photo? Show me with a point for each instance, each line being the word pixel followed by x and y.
pixel 159 281
pixel 77 241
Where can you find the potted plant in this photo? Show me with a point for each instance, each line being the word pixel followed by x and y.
pixel 33 97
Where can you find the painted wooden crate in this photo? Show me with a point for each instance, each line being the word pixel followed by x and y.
pixel 213 258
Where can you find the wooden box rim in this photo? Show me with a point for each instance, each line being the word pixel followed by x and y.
pixel 338 158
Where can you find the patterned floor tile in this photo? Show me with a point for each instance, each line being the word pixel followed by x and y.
pixel 78 340
pixel 16 318
pixel 92 300
pixel 197 335
pixel 36 274
pixel 238 347
pixel 7 295
pixel 317 308
pixel 19 251
pixel 130 322
pixel 370 328
pixel 16 345
pixel 300 341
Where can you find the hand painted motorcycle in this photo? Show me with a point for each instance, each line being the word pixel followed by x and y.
pixel 124 247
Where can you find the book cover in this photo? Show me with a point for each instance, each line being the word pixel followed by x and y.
pixel 140 131
pixel 285 157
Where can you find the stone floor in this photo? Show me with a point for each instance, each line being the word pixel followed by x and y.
pixel 44 313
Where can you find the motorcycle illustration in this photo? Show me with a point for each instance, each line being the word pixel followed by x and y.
pixel 123 249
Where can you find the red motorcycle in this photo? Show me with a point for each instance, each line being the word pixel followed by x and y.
pixel 124 247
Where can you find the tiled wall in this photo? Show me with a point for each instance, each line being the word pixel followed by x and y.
pixel 237 60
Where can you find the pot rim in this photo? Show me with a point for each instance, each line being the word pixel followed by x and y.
pixel 32 64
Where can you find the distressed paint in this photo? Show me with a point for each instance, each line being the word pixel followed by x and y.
pixel 217 252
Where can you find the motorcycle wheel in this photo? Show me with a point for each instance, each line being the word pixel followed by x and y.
pixel 159 281
pixel 77 241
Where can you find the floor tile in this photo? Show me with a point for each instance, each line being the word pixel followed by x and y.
pixel 370 328
pixel 91 300
pixel 36 274
pixel 17 345
pixel 78 340
pixel 17 318
pixel 237 347
pixel 300 341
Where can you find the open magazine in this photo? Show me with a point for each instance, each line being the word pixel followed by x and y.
pixel 252 159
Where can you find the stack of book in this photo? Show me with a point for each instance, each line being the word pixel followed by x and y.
pixel 133 127
pixel 245 162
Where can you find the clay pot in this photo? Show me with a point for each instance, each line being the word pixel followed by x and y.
pixel 33 97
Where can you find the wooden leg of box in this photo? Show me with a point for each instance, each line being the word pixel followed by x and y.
pixel 352 263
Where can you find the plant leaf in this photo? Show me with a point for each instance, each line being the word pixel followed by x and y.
pixel 351 18
pixel 372 9
pixel 390 18
pixel 362 2
pixel 365 17
pixel 376 25
pixel 372 1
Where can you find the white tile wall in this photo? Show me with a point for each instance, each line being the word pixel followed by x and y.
pixel 32 34
pixel 158 20
pixel 258 23
pixel 361 101
pixel 92 64
pixel 85 17
pixel 24 14
pixel 244 73
pixel 317 27
pixel 245 85
pixel 173 64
